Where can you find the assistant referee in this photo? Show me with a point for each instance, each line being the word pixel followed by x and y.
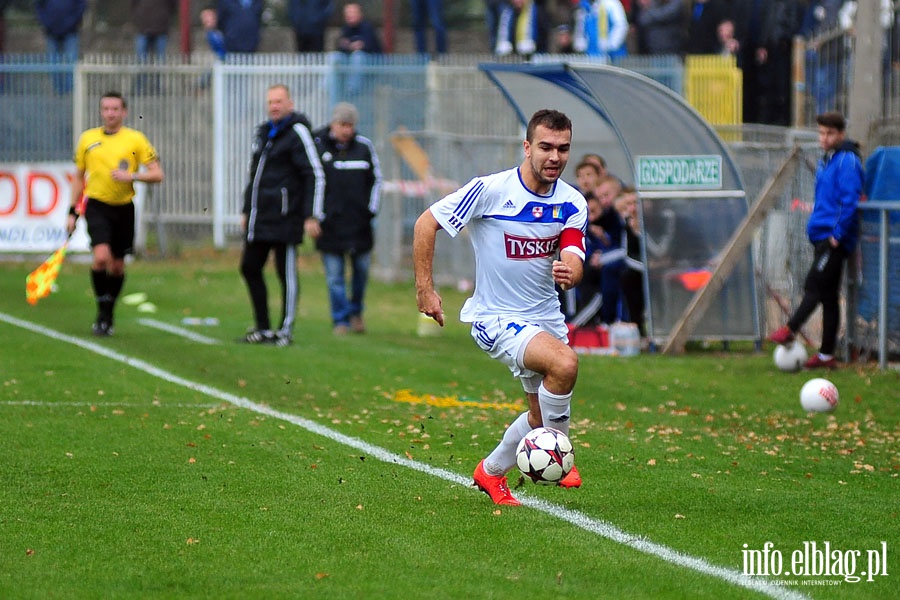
pixel 107 160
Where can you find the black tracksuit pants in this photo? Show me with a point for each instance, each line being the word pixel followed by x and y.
pixel 822 286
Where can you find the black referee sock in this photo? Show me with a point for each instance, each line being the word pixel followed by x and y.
pixel 114 285
pixel 100 281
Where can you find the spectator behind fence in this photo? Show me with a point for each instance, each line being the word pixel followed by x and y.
pixel 152 19
pixel 563 42
pixel 492 11
pixel 726 43
pixel 780 23
pixel 581 305
pixel 523 28
pixel 704 20
pixel 309 18
pixel 342 225
pixel 612 247
pixel 827 59
pixel 587 175
pixel 214 36
pixel 240 22
pixel 4 4
pixel 424 12
pixel 61 21
pixel 601 27
pixel 597 160
pixel 833 230
pixel 661 26
pixel 357 42
pixel 765 30
pixel 285 182
pixel 631 279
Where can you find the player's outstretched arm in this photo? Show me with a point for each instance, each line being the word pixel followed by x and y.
pixel 424 236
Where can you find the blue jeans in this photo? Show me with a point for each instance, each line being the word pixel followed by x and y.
pixel 492 10
pixel 347 75
pixel 144 43
pixel 63 49
pixel 434 11
pixel 342 307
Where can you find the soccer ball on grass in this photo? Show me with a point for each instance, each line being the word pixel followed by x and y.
pixel 819 395
pixel 790 357
pixel 545 455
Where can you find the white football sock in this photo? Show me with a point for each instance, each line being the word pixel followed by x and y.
pixel 503 458
pixel 555 409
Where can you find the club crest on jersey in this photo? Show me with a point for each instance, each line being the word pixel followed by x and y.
pixel 525 248
pixel 537 212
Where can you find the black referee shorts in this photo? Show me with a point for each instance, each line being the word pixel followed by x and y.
pixel 113 225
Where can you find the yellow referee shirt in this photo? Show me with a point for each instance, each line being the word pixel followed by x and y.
pixel 98 154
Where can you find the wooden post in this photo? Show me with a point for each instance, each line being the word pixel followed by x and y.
pixel 730 255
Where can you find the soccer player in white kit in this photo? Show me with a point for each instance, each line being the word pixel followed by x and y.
pixel 527 227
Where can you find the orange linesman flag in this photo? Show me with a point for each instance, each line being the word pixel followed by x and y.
pixel 39 282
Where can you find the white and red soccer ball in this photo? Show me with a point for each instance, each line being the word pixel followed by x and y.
pixel 819 395
pixel 545 455
pixel 790 357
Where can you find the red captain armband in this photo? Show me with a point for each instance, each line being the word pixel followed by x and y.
pixel 572 240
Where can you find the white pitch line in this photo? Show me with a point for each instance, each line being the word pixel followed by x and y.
pixel 178 331
pixel 586 522
pixel 44 403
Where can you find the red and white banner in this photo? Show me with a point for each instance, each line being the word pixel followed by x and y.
pixel 34 203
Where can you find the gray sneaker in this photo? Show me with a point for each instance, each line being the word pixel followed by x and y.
pixel 283 339
pixel 259 336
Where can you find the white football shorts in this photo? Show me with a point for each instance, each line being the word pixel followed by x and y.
pixel 505 340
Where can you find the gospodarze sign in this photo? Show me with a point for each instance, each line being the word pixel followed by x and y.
pixel 702 172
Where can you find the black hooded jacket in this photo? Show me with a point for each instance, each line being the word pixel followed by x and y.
pixel 286 180
pixel 351 196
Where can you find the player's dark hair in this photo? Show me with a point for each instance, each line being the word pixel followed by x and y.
pixel 832 119
pixel 551 119
pixel 113 94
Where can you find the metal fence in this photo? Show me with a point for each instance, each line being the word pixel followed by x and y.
pixel 201 118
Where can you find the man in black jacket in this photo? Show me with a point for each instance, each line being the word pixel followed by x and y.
pixel 342 224
pixel 286 180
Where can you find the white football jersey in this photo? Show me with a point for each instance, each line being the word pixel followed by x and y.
pixel 516 237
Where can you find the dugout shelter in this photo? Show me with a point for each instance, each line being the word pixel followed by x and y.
pixel 692 198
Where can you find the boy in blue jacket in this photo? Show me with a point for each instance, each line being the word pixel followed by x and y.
pixel 833 229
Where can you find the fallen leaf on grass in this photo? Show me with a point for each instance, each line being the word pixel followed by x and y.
pixel 321 575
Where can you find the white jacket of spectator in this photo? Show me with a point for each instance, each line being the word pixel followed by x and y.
pixel 595 38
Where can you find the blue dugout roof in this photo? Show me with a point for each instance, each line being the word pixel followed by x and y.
pixel 617 113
